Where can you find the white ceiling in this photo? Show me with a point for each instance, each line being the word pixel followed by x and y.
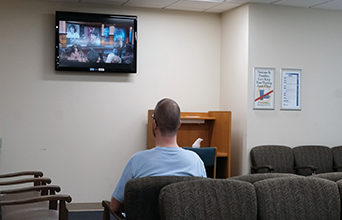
pixel 215 7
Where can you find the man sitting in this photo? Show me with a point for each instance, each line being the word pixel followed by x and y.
pixel 166 159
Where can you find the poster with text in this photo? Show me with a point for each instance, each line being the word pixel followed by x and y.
pixel 264 88
pixel 290 89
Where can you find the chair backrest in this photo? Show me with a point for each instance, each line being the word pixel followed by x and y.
pixel 298 198
pixel 333 176
pixel 141 195
pixel 279 157
pixel 208 199
pixel 208 156
pixel 252 178
pixel 337 157
pixel 313 155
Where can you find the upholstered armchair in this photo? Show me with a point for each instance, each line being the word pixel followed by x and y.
pixel 272 158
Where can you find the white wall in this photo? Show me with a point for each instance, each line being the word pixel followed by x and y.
pixel 233 87
pixel 259 35
pixel 308 39
pixel 80 129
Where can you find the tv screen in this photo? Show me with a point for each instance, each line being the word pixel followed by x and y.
pixel 96 42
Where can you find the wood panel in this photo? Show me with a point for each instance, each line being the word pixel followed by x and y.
pixel 214 127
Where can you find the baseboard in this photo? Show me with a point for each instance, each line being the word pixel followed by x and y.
pixel 96 206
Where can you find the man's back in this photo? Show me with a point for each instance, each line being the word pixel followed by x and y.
pixel 167 161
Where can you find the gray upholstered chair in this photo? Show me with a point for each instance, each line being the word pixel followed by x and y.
pixel 299 198
pixel 333 176
pixel 272 158
pixel 337 157
pixel 339 184
pixel 252 178
pixel 313 159
pixel 208 199
pixel 141 197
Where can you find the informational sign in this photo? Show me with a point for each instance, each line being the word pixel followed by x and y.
pixel 290 89
pixel 263 88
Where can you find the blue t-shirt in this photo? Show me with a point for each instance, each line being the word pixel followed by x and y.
pixel 160 161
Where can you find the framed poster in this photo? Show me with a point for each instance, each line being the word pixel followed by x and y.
pixel 291 89
pixel 263 88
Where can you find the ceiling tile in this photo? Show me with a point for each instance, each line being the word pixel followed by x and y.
pixel 193 5
pixel 223 7
pixel 333 5
pixel 114 2
pixel 62 0
pixel 300 3
pixel 254 1
pixel 150 3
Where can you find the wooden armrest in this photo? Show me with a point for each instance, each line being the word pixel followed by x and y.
pixel 311 167
pixel 44 188
pixel 268 167
pixel 53 199
pixel 22 173
pixel 59 197
pixel 107 211
pixel 36 181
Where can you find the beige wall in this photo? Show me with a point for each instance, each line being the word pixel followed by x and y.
pixel 81 129
pixel 308 39
pixel 233 84
pixel 281 37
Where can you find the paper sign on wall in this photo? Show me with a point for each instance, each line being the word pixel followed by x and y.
pixel 290 89
pixel 264 88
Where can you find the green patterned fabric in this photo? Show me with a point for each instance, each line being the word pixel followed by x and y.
pixel 313 155
pixel 279 157
pixel 252 178
pixel 209 199
pixel 141 195
pixel 299 198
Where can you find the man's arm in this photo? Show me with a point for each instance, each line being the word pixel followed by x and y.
pixel 116 206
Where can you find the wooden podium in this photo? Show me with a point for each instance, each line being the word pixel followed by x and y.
pixel 214 127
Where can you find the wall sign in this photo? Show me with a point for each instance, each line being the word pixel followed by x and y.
pixel 291 89
pixel 263 88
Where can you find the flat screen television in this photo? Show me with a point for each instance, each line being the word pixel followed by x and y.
pixel 96 42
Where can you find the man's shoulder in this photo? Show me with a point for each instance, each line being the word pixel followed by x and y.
pixel 144 152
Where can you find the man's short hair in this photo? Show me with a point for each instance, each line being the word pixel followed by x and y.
pixel 167 116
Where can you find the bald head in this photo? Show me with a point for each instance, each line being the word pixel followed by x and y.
pixel 167 116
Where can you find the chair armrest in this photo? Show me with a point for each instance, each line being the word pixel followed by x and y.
pixel 22 173
pixel 107 211
pixel 36 181
pixel 44 188
pixel 59 197
pixel 311 167
pixel 268 167
pixel 53 199
pixel 337 168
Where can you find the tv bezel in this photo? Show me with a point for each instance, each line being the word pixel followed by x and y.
pixel 95 67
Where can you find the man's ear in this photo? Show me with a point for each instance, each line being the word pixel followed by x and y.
pixel 180 123
pixel 154 124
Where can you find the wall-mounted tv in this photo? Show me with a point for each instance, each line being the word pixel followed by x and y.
pixel 96 42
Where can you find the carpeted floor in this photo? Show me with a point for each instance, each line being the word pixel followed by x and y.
pixel 88 215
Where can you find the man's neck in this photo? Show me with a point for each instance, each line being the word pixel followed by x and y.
pixel 167 142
